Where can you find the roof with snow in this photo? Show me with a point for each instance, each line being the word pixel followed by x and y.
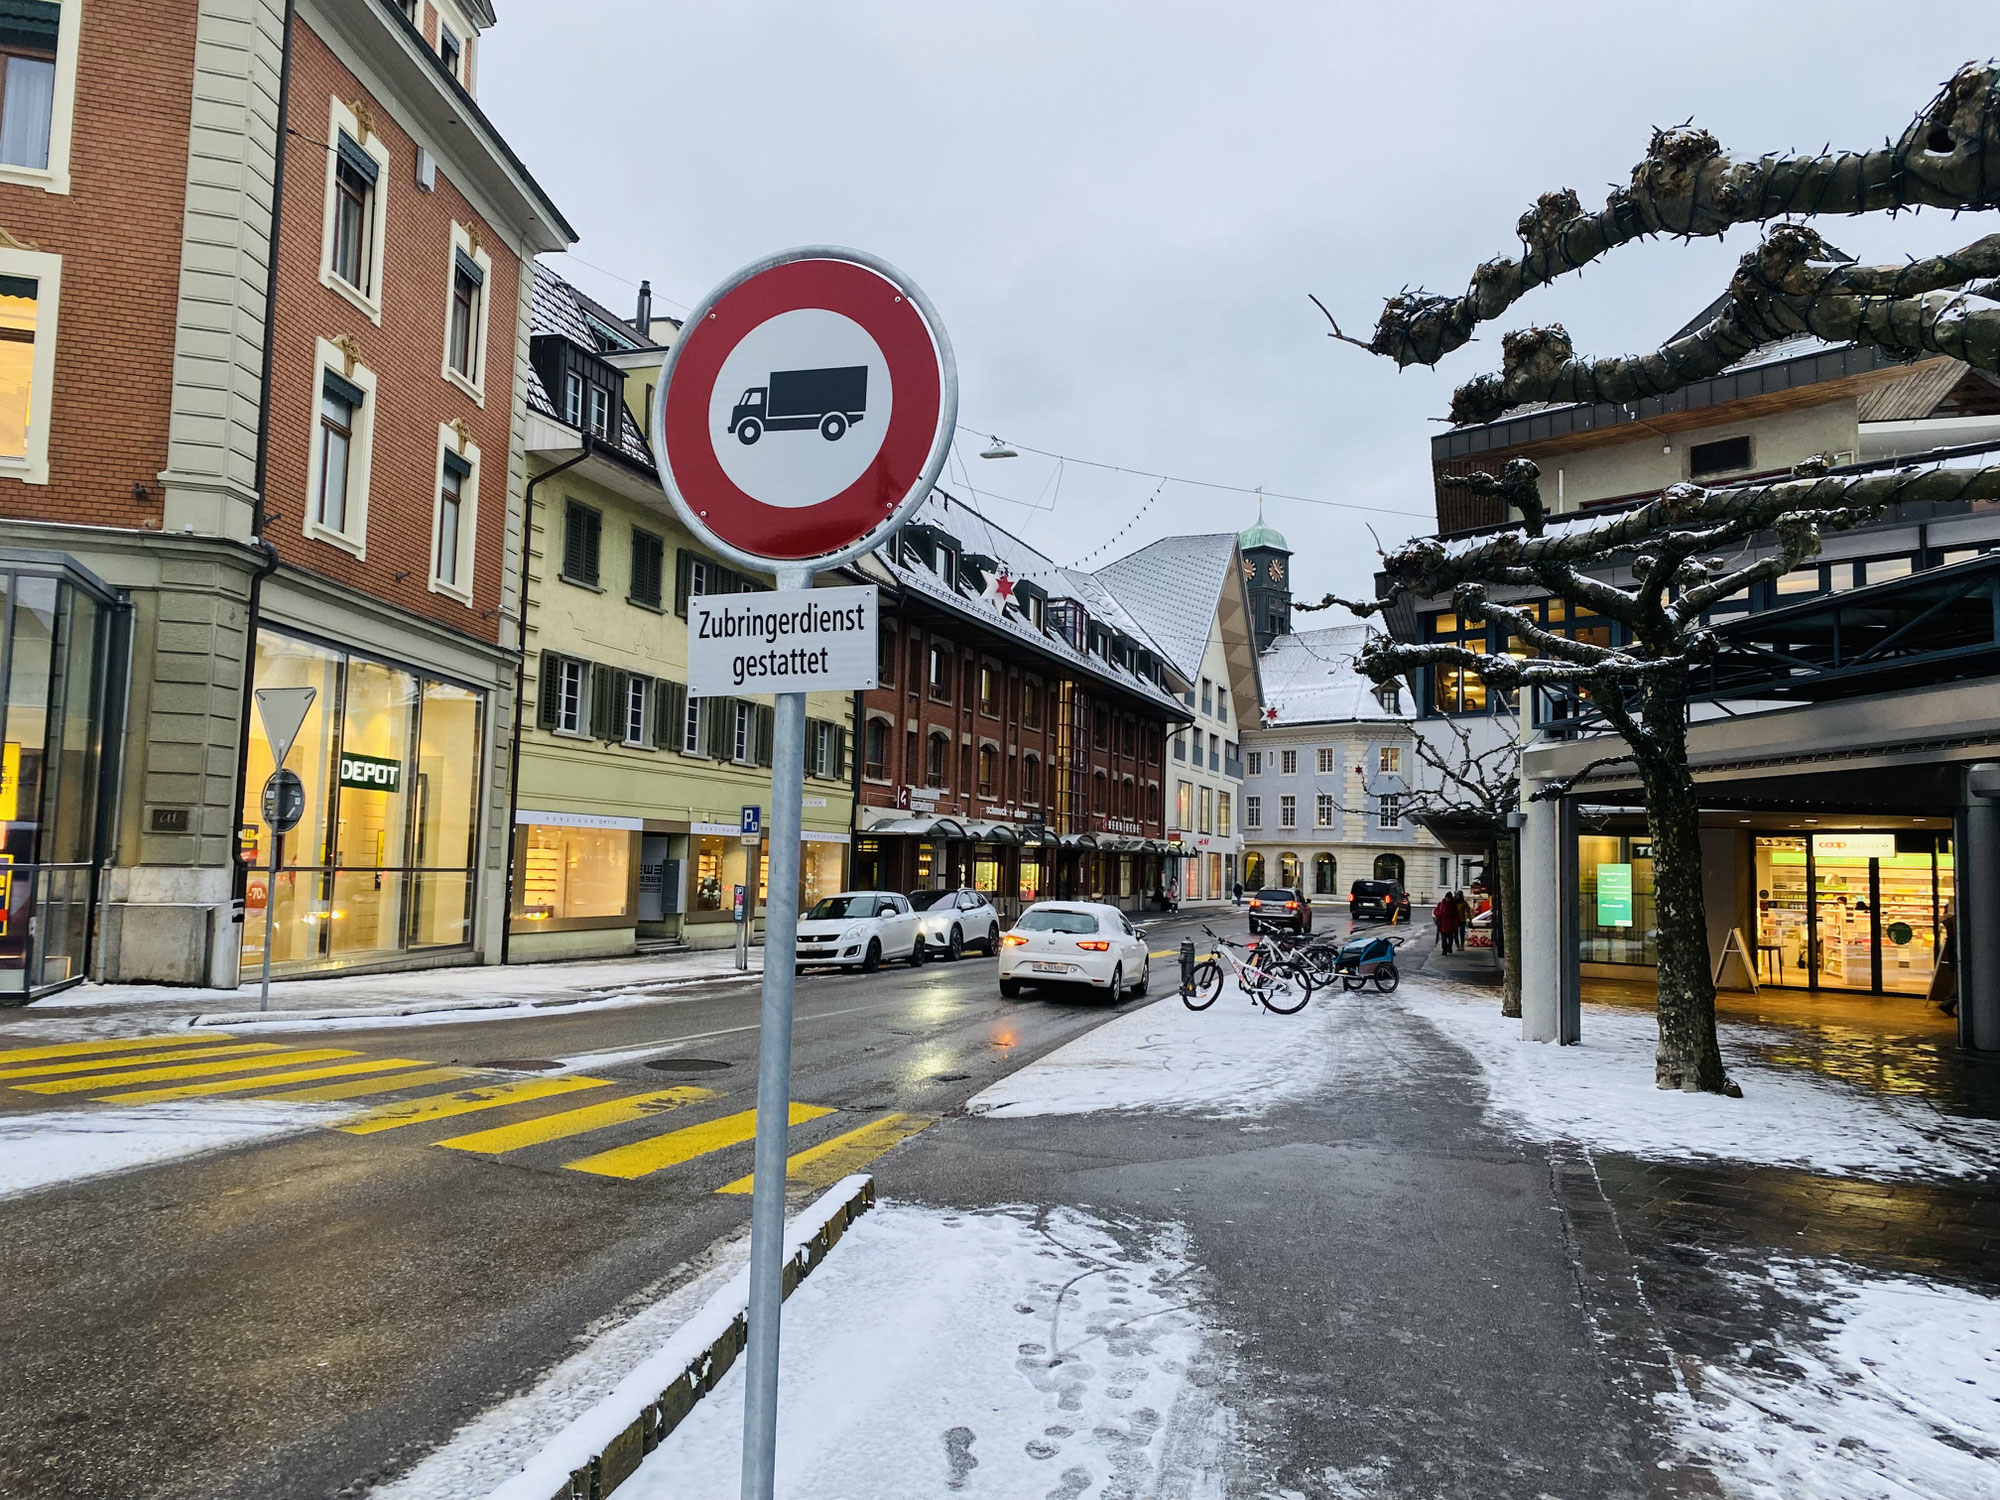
pixel 1171 588
pixel 1310 678
pixel 559 308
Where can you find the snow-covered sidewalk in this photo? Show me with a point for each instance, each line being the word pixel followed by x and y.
pixel 1600 1094
pixel 60 1146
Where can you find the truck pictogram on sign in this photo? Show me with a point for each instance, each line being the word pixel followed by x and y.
pixel 799 400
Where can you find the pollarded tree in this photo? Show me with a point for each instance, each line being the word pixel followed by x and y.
pixel 1657 568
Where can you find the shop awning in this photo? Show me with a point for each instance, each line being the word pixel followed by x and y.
pixel 1079 841
pixel 993 833
pixel 920 828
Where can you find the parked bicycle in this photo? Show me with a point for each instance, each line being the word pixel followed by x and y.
pixel 1266 973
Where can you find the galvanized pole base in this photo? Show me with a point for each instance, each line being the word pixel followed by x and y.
pixel 270 909
pixel 774 1086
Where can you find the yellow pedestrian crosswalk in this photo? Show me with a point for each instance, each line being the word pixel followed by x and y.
pixel 196 1066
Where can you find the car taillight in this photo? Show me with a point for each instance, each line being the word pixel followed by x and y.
pixel 1291 906
pixel 1013 939
pixel 1095 945
pixel 1255 903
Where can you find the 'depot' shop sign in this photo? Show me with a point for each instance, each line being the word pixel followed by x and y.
pixel 793 642
pixel 368 773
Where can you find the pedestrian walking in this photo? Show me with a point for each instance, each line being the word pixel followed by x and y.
pixel 1239 893
pixel 1944 979
pixel 1445 915
pixel 1464 909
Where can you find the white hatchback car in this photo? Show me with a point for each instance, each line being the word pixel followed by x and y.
pixel 859 929
pixel 952 921
pixel 1074 942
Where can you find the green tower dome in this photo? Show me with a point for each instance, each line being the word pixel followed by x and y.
pixel 1263 534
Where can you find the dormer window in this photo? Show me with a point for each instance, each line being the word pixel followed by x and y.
pixel 451 51
pixel 573 399
pixel 600 411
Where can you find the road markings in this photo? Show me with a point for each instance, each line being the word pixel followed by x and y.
pixel 661 1151
pixel 121 1044
pixel 190 1070
pixel 244 1085
pixel 545 1128
pixel 829 1161
pixel 132 1060
pixel 361 1087
pixel 465 1102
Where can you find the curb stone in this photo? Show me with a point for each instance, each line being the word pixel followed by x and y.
pixel 620 1458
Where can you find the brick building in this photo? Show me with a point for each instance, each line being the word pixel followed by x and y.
pixel 1017 741
pixel 219 533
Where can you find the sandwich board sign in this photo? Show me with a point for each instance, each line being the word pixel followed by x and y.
pixel 805 411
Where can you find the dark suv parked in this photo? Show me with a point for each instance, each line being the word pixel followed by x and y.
pixel 1383 899
pixel 1280 910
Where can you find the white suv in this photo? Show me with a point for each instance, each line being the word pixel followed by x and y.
pixel 1074 942
pixel 952 921
pixel 858 929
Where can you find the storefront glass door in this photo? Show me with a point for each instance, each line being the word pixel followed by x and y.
pixel 1851 911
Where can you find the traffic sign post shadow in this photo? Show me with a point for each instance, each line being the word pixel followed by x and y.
pixel 804 412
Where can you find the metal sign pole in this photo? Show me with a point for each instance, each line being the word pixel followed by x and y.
pixel 774 1084
pixel 270 909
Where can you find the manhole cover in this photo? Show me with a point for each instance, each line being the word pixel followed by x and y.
pixel 951 1077
pixel 686 1064
pixel 532 1065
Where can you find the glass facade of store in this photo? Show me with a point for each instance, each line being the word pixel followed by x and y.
pixel 1615 922
pixel 383 862
pixel 572 877
pixel 59 637
pixel 1852 911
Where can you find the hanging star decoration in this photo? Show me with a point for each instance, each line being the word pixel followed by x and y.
pixel 1271 714
pixel 999 590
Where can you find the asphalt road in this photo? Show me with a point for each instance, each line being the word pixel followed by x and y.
pixel 307 1316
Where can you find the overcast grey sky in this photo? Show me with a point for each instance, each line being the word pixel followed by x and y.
pixel 1119 208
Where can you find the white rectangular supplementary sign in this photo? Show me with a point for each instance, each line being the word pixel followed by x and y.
pixel 796 641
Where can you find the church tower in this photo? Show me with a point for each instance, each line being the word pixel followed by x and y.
pixel 1267 570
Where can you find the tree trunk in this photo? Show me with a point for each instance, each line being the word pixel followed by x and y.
pixel 1689 1058
pixel 1507 929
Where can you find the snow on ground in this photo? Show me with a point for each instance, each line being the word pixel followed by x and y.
pixel 1600 1093
pixel 491 1449
pixel 1234 1058
pixel 40 1150
pixel 1000 1354
pixel 1898 1396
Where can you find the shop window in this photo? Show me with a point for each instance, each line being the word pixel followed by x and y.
pixel 29 281
pixel 583 528
pixel 1389 811
pixel 574 875
pixel 1288 762
pixel 1323 811
pixel 1253 812
pixel 1323 760
pixel 1288 812
pixel 875 751
pixel 710 853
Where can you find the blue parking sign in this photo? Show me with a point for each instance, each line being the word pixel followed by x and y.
pixel 753 821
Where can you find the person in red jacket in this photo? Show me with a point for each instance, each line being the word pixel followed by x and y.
pixel 1445 915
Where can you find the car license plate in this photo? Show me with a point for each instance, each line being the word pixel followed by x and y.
pixel 1051 968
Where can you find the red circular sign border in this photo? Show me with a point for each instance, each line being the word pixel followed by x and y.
pixel 899 330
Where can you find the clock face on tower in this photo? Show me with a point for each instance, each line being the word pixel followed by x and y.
pixel 1277 568
pixel 1249 570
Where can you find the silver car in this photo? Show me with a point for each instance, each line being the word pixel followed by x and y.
pixel 952 921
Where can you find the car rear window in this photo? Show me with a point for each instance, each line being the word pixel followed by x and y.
pixel 1276 896
pixel 1057 921
pixel 835 908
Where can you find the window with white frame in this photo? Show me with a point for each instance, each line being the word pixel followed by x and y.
pixel 451 52
pixel 38 58
pixel 1390 759
pixel 357 182
pixel 339 461
pixel 1389 812
pixel 30 282
pixel 743 740
pixel 639 710
pixel 600 411
pixel 1255 763
pixel 1323 760
pixel 1222 703
pixel 465 314
pixel 1288 812
pixel 454 532
pixel 1253 811
pixel 573 399
pixel 572 695
pixel 694 727
pixel 1323 810
pixel 1288 762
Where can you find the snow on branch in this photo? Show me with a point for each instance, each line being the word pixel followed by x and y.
pixel 1687 185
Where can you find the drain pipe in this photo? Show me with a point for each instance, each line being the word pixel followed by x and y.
pixel 521 680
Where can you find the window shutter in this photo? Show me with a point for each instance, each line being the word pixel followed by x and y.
pixel 683 580
pixel 721 727
pixel 762 735
pixel 669 714
pixel 548 689
pixel 839 753
pixel 573 540
pixel 604 703
pixel 812 748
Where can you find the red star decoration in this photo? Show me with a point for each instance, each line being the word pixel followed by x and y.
pixel 1271 715
pixel 1003 586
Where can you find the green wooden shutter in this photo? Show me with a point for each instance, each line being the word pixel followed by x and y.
pixel 721 727
pixel 548 690
pixel 605 708
pixel 669 714
pixel 683 580
pixel 840 753
pixel 762 735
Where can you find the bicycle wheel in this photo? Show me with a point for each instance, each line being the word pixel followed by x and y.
pixel 1286 993
pixel 1207 985
pixel 1386 978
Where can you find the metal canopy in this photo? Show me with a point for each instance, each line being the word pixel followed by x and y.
pixel 1933 626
